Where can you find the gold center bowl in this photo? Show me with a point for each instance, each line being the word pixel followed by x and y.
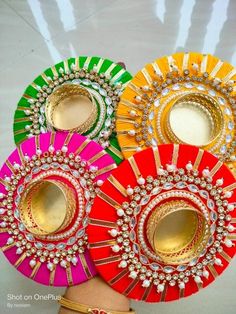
pixel 71 108
pixel 47 207
pixel 194 119
pixel 177 232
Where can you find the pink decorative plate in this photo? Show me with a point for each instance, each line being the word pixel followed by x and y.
pixel 47 187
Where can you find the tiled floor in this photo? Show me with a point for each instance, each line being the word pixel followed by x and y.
pixel 35 34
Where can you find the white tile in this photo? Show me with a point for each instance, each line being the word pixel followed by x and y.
pixel 139 32
pixel 56 16
pixel 17 38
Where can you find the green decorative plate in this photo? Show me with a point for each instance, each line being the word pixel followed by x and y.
pixel 103 79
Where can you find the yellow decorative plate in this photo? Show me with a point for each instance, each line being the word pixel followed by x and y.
pixel 183 98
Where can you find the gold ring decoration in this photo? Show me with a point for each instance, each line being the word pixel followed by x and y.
pixel 71 108
pixel 177 232
pixel 201 113
pixel 47 207
pixel 181 98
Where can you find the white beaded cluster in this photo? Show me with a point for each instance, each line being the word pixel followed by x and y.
pixel 171 183
pixel 101 87
pixel 69 168
pixel 150 98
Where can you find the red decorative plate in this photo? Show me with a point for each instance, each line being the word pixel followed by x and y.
pixel 167 228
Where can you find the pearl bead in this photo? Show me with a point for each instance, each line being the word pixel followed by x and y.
pixel 131 132
pixel 228 243
pixel 132 113
pixel 19 251
pixel 123 264
pixel 27 112
pixel 133 274
pixel 10 240
pixel 100 182
pixel 197 279
pixel 233 158
pixel 120 212
pixel 138 99
pixel 218 262
pixel 50 266
pixel 130 191
pixel 64 149
pixel 205 274
pixel 2 195
pixel 113 232
pixel 106 134
pixel 219 182
pixel 228 194
pixel 38 151
pixel 27 127
pixel 146 283
pixel 160 288
pixel 3 224
pixel 63 264
pixel 115 248
pixel 195 66
pixel 170 168
pixel 145 88
pixel 74 260
pixel 230 228
pixel 181 285
pixel 32 263
pixel 230 207
pixel 16 166
pixel 206 172
pixel 160 172
pixel 141 181
pixel 51 149
pixel 93 168
pixel 189 166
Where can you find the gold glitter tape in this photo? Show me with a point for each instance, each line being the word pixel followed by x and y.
pixel 117 185
pixel 108 199
pixel 96 156
pixel 106 169
pixel 198 159
pixel 134 167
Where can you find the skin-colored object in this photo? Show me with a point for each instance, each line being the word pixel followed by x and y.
pixel 98 294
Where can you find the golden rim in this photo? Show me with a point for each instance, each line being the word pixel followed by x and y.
pixel 47 207
pixel 192 107
pixel 71 108
pixel 177 232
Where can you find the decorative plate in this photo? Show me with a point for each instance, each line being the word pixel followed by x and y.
pixel 184 98
pixel 168 223
pixel 47 187
pixel 104 81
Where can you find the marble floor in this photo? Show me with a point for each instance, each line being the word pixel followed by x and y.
pixel 35 34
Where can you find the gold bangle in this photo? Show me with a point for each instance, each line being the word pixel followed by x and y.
pixel 83 308
pixel 83 112
pixel 163 234
pixel 47 207
pixel 203 103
